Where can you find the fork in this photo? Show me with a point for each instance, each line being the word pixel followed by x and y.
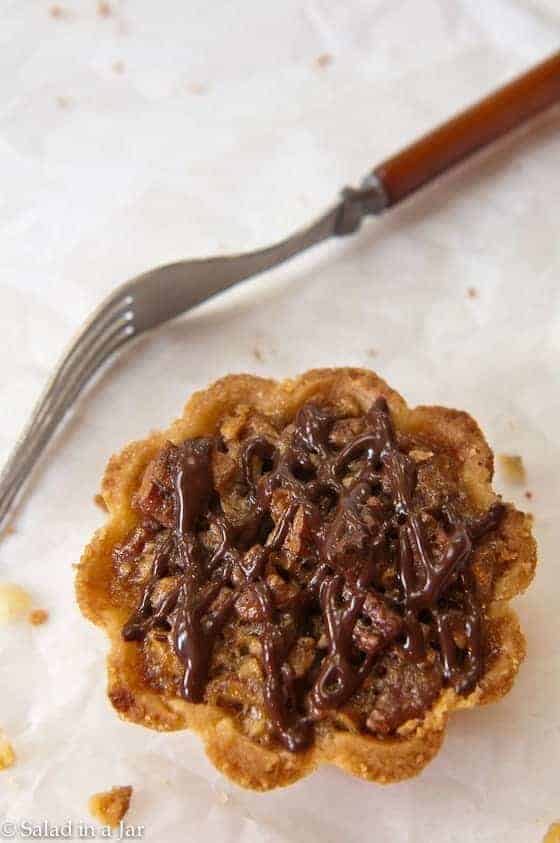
pixel 150 299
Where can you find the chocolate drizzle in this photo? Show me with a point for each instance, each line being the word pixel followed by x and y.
pixel 359 516
pixel 339 675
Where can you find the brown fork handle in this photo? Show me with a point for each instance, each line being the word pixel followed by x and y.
pixel 473 129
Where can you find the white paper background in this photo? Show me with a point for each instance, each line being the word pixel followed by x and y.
pixel 139 168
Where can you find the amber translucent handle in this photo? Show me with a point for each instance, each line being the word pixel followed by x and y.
pixel 484 122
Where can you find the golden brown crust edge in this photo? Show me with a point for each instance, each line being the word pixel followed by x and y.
pixel 241 759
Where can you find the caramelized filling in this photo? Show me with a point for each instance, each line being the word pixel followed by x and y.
pixel 322 572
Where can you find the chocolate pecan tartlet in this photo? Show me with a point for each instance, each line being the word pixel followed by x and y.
pixel 307 572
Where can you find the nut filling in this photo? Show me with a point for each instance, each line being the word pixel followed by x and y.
pixel 319 572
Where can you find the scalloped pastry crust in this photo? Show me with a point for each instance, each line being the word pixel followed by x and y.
pixel 243 760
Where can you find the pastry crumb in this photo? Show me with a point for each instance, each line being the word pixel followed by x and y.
pixel 63 102
pixel 196 88
pixel 14 602
pixel 110 806
pixel 512 468
pixel 99 501
pixel 9 530
pixel 529 495
pixel 419 455
pixel 372 352
pixel 118 67
pixel 57 12
pixel 104 9
pixel 257 354
pixel 324 60
pixel 553 834
pixel 7 754
pixel 472 293
pixel 37 617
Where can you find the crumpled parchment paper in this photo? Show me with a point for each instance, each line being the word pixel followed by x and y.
pixel 134 133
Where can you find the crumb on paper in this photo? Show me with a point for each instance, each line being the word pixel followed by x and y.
pixel 529 495
pixel 104 9
pixel 14 602
pixel 37 617
pixel 9 530
pixel 512 468
pixel 553 834
pixel 99 501
pixel 324 60
pixel 7 754
pixel 118 67
pixel 257 354
pixel 196 88
pixel 372 352
pixel 63 102
pixel 57 12
pixel 109 807
pixel 222 797
pixel 472 293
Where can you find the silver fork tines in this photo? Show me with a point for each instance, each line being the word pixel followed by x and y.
pixel 110 327
pixel 146 302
